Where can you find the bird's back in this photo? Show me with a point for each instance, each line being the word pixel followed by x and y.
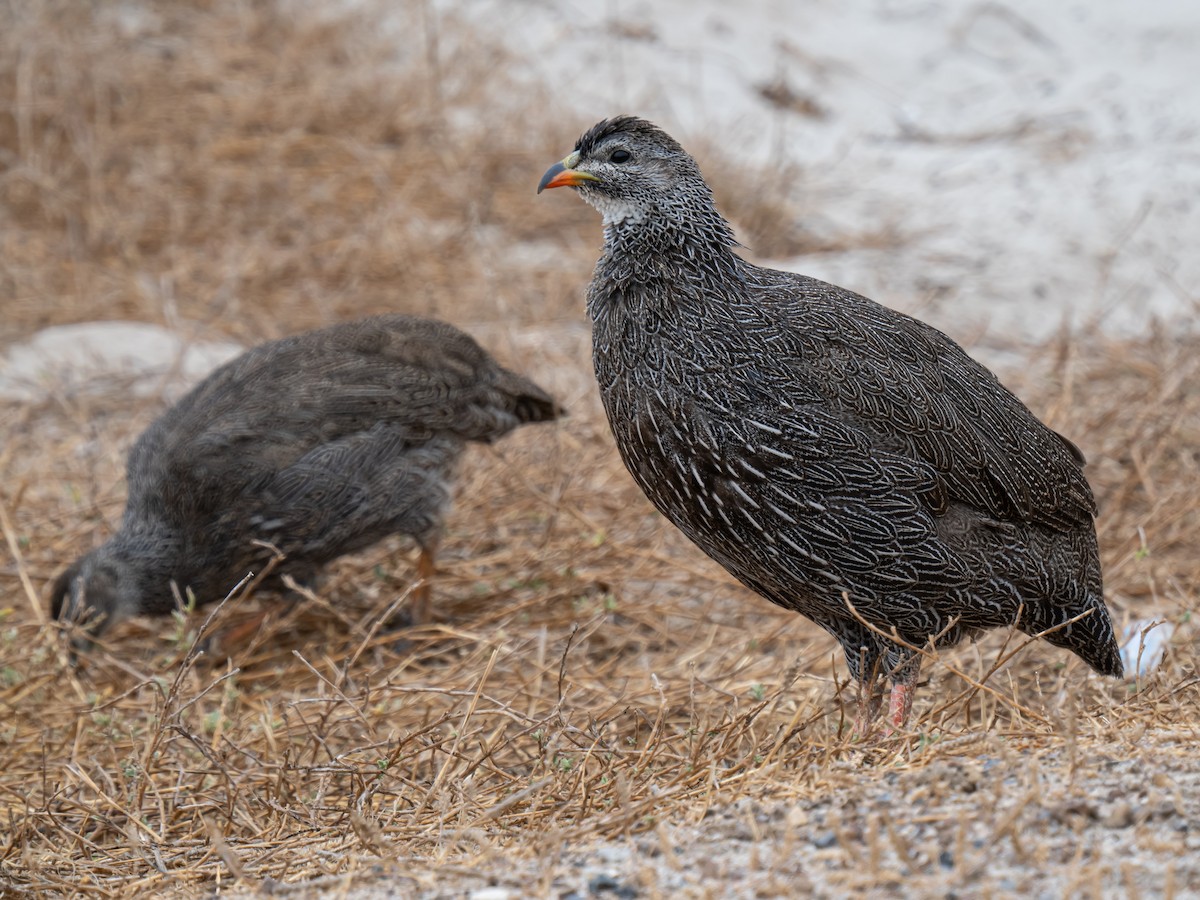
pixel 267 409
pixel 318 444
pixel 915 391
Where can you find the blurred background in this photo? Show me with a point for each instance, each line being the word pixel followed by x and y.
pixel 180 180
pixel 244 170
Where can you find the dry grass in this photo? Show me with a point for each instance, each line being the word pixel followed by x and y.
pixel 592 677
pixel 257 170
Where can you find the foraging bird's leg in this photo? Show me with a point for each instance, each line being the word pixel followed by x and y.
pixel 904 686
pixel 240 633
pixel 304 575
pixel 425 571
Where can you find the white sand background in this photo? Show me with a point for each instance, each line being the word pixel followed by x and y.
pixel 1039 162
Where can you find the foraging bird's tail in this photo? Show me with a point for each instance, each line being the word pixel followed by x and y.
pixel 537 408
pixel 529 402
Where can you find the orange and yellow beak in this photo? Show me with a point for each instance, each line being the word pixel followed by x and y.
pixel 564 174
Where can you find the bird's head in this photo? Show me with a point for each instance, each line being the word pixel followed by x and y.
pixel 630 170
pixel 95 592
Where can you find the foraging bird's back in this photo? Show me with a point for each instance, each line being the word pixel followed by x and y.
pixel 319 445
pixel 821 446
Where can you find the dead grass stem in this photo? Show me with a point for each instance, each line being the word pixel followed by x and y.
pixel 255 171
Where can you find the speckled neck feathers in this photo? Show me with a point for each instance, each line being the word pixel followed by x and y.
pixel 662 232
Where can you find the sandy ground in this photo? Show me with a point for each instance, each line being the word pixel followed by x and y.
pixel 949 830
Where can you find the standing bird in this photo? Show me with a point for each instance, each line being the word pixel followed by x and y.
pixel 317 445
pixel 843 460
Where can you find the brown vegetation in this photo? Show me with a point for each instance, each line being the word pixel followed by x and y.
pixel 234 169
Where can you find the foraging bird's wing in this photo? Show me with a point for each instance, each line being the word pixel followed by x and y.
pixel 346 494
pixel 260 413
pixel 917 393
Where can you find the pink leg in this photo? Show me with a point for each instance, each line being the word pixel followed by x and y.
pixel 900 703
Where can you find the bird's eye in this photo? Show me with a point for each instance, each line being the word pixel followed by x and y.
pixel 620 156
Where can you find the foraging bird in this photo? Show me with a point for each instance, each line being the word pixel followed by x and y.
pixel 317 445
pixel 843 460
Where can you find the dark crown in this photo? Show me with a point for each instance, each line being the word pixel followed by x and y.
pixel 623 124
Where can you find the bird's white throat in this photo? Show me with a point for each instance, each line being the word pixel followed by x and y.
pixel 614 210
